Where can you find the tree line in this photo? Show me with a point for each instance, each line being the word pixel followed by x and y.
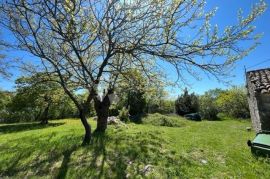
pixel 231 102
pixel 34 100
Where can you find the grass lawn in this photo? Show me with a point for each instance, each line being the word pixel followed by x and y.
pixel 208 149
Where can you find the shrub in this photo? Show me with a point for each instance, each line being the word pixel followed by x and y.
pixel 186 104
pixel 157 119
pixel 233 102
pixel 162 106
pixel 208 107
pixel 124 114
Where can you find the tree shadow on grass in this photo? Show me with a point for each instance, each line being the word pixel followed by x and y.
pixel 130 156
pixel 47 156
pixel 11 128
pixel 116 154
pixel 64 165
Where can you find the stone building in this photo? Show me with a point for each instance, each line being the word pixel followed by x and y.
pixel 258 84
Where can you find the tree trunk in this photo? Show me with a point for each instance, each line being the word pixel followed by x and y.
pixel 102 111
pixel 44 118
pixel 87 127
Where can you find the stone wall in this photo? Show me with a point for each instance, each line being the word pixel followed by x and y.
pixel 264 111
pixel 253 107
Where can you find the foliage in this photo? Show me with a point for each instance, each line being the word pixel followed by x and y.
pixel 124 114
pixel 167 107
pixel 157 119
pixel 208 107
pixel 136 102
pixel 156 98
pixel 5 100
pixel 114 111
pixel 142 151
pixel 35 100
pixel 233 102
pixel 163 106
pixel 186 103
pixel 135 89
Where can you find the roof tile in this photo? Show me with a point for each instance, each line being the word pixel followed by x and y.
pixel 260 79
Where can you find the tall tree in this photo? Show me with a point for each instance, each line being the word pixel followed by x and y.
pixel 87 44
pixel 186 103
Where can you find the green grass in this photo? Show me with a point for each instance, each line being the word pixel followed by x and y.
pixel 157 119
pixel 208 149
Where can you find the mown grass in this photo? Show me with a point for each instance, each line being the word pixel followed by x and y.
pixel 208 149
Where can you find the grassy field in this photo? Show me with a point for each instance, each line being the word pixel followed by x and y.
pixel 208 149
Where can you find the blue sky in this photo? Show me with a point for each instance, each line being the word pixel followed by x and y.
pixel 226 15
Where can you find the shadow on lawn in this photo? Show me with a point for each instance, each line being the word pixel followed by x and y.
pixel 123 155
pixel 10 128
pixel 38 156
pixel 114 155
pixel 64 166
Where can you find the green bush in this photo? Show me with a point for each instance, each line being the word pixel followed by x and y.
pixel 157 119
pixel 187 103
pixel 124 114
pixel 163 106
pixel 233 102
pixel 208 107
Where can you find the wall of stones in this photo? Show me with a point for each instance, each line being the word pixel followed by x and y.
pixel 253 106
pixel 264 111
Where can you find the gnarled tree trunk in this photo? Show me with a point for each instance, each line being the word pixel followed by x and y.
pixel 102 110
pixel 87 136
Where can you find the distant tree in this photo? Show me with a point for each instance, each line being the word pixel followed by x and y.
pixel 186 103
pixel 208 106
pixel 88 44
pixel 137 102
pixel 156 98
pixel 38 98
pixel 214 93
pixel 167 106
pixel 132 88
pixel 163 106
pixel 5 99
pixel 139 92
pixel 233 102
